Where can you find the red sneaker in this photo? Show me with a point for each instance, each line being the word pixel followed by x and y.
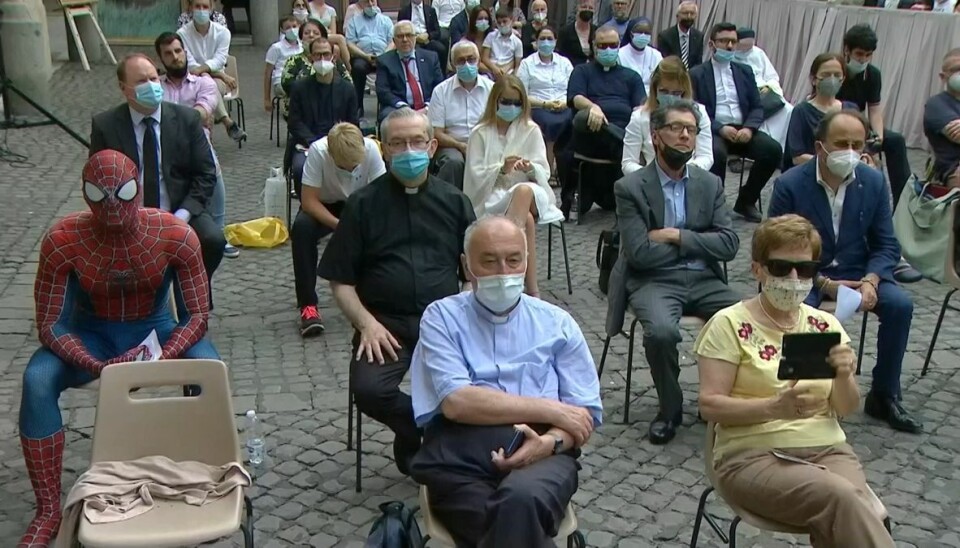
pixel 310 321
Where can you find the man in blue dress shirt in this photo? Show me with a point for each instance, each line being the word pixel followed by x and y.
pixel 489 363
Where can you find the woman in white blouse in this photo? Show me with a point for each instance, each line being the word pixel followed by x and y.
pixel 507 168
pixel 639 55
pixel 544 75
pixel 669 82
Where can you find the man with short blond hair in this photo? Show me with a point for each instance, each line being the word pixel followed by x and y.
pixel 336 166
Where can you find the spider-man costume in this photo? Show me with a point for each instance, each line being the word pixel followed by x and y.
pixel 103 284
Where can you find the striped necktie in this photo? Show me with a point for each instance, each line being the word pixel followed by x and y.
pixel 685 49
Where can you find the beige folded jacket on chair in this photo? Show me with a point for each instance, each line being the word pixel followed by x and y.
pixel 117 491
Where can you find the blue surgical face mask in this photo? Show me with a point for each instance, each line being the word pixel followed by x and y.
pixel 723 55
pixel 508 113
pixel 371 11
pixel 640 40
pixel 291 35
pixel 483 25
pixel 546 47
pixel 149 94
pixel 499 293
pixel 201 17
pixel 953 83
pixel 855 67
pixel 608 57
pixel 410 165
pixel 467 72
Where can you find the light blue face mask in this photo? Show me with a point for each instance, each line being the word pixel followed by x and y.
pixel 546 47
pixel 953 83
pixel 370 11
pixel 855 67
pixel 149 94
pixel 201 17
pixel 608 57
pixel 467 72
pixel 483 25
pixel 410 165
pixel 640 40
pixel 508 113
pixel 724 56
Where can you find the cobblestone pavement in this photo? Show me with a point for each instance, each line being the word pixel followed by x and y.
pixel 631 493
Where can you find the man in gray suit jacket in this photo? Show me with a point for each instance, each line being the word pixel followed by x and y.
pixel 675 232
pixel 179 175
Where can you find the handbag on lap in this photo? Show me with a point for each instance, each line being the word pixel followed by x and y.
pixel 922 223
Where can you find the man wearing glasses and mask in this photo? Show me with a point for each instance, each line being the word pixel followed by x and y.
pixel 396 249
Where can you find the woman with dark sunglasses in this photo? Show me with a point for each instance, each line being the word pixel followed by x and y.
pixel 507 171
pixel 779 450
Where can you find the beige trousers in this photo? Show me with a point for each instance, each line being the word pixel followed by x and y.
pixel 220 110
pixel 829 496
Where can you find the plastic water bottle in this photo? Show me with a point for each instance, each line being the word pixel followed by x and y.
pixel 275 195
pixel 254 439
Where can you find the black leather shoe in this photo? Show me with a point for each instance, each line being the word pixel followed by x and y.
pixel 748 212
pixel 662 431
pixel 906 274
pixel 890 411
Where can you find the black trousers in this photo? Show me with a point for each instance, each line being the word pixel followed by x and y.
pixel 359 69
pixel 762 149
pixel 376 388
pixel 479 504
pixel 304 237
pixel 440 48
pixel 211 239
pixel 895 156
pixel 605 144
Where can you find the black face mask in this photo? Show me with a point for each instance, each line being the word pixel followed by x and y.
pixel 675 158
pixel 687 23
pixel 585 15
pixel 176 72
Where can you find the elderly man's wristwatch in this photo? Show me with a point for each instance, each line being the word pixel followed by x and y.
pixel 557 443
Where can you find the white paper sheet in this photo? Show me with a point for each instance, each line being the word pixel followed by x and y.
pixel 152 342
pixel 848 301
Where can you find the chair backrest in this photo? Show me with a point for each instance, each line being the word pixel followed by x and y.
pixel 199 428
pixel 950 276
pixel 231 71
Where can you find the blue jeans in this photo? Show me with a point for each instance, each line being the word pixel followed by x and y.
pixel 47 375
pixel 218 202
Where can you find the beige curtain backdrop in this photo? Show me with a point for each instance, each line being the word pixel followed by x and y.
pixel 793 32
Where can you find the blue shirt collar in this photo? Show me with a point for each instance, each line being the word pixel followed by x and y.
pixel 666 180
pixel 486 314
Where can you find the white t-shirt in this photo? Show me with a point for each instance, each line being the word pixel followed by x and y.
pixel 503 49
pixel 278 54
pixel 335 184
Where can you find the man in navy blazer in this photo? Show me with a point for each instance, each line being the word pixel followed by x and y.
pixel 395 88
pixel 426 25
pixel 849 204
pixel 729 92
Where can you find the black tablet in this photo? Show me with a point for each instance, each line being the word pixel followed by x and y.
pixel 804 356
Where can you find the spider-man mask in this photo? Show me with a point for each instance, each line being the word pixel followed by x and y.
pixel 111 189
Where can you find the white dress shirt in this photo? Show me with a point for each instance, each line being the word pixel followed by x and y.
pixel 211 50
pixel 335 184
pixel 457 110
pixel 418 18
pixel 138 131
pixel 447 10
pixel 545 80
pixel 643 62
pixel 728 103
pixel 835 199
pixel 503 49
pixel 638 143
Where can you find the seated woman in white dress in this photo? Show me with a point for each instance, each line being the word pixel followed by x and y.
pixel 507 170
pixel 669 82
pixel 768 81
pixel 639 55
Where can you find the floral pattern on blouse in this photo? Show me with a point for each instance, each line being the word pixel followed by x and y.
pixel 768 351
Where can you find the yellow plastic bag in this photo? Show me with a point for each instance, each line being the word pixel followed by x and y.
pixel 262 232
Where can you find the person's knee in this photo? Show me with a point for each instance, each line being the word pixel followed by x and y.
pixel 211 237
pixel 369 391
pixel 661 334
pixel 304 230
pixel 41 377
pixel 893 139
pixel 202 350
pixel 580 121
pixel 896 304
pixel 523 192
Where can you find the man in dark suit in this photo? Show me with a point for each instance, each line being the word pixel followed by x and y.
pixel 849 204
pixel 166 140
pixel 675 233
pixel 318 103
pixel 729 92
pixel 682 39
pixel 426 28
pixel 406 75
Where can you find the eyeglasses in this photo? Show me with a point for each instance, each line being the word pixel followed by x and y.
pixel 403 36
pixel 510 102
pixel 400 145
pixel 608 46
pixel 472 60
pixel 723 42
pixel 678 127
pixel 782 268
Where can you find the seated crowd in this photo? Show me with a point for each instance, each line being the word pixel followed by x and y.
pixel 447 198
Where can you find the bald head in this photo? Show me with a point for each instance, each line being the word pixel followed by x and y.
pixel 494 245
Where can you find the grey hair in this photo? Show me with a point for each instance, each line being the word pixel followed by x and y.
pixel 658 118
pixel 460 45
pixel 404 23
pixel 487 219
pixel 403 112
pixel 530 8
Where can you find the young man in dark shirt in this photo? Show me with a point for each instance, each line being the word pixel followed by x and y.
pixel 941 122
pixel 862 87
pixel 396 249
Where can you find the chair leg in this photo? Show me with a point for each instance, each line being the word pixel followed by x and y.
pixel 566 258
pixel 549 250
pixel 576 540
pixel 359 457
pixel 863 339
pixel 603 357
pixel 733 532
pixel 936 331
pixel 701 508
pixel 887 525
pixel 626 389
pixel 576 203
pixel 349 419
pixel 272 114
pixel 248 530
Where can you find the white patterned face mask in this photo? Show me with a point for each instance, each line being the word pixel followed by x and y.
pixel 786 294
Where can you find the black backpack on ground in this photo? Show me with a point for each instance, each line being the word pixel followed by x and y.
pixel 396 528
